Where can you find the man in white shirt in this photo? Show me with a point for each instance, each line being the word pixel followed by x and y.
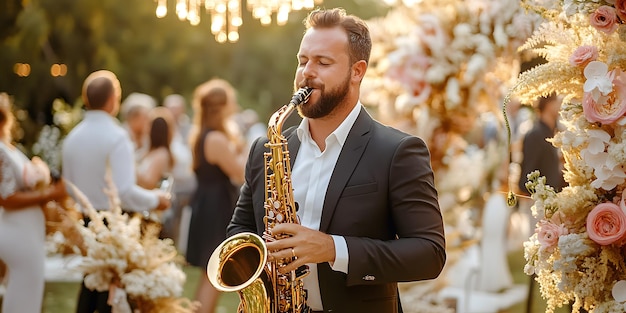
pixel 98 146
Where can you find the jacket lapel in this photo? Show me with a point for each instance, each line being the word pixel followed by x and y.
pixel 346 163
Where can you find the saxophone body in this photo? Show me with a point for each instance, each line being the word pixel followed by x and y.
pixel 240 262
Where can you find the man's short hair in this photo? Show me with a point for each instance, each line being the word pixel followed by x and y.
pixel 359 40
pixel 99 91
pixel 543 101
pixel 99 87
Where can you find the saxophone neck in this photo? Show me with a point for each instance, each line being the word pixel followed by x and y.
pixel 275 125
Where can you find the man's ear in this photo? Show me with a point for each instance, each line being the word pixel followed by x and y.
pixel 358 70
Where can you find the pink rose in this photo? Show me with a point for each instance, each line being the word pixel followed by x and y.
pixel 583 55
pixel 606 224
pixel 610 108
pixel 620 9
pixel 604 19
pixel 548 234
pixel 410 71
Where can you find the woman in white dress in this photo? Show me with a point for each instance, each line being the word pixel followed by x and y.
pixel 22 223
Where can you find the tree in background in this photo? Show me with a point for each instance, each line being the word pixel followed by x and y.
pixel 39 38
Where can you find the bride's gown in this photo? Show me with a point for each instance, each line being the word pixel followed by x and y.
pixel 22 239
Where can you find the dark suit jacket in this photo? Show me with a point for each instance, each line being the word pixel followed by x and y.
pixel 539 154
pixel 381 198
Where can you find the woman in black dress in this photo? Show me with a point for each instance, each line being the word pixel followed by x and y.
pixel 218 162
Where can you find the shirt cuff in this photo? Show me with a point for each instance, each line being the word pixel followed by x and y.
pixel 341 255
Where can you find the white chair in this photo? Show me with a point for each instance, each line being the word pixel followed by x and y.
pixel 481 281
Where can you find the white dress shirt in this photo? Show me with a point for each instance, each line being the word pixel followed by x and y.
pixel 310 177
pixel 97 144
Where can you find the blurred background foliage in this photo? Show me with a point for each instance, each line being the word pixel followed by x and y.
pixel 149 55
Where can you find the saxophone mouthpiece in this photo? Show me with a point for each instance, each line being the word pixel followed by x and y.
pixel 301 96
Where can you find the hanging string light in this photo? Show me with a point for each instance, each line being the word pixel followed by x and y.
pixel 226 14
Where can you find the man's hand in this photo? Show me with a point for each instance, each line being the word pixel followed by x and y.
pixel 164 200
pixel 307 245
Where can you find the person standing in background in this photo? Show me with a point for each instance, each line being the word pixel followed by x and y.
pixel 22 221
pixel 158 162
pixel 539 154
pixel 135 118
pixel 184 177
pixel 218 161
pixel 178 106
pixel 99 147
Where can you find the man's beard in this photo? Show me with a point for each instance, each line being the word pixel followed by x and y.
pixel 327 102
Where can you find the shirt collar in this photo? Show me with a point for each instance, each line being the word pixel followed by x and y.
pixel 341 132
pixel 99 114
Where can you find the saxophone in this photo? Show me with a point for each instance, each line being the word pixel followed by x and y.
pixel 240 263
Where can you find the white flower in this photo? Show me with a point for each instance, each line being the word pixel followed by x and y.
pixel 609 176
pixel 452 93
pixel 598 82
pixel 598 139
pixel 619 291
pixel 475 66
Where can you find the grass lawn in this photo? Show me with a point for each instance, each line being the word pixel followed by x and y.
pixel 61 297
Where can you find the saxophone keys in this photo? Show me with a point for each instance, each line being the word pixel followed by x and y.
pixel 302 271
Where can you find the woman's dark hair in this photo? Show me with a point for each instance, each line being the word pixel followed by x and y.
pixel 162 130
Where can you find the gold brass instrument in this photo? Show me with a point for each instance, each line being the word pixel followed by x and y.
pixel 240 262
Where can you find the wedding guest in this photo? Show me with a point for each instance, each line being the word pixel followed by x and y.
pixel 539 154
pixel 22 222
pixel 99 145
pixel 251 127
pixel 184 177
pixel 135 117
pixel 158 161
pixel 178 106
pixel 218 161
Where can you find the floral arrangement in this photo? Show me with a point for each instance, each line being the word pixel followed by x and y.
pixel 439 70
pixel 577 251
pixel 438 61
pixel 124 255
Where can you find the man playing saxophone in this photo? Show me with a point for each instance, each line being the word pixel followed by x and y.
pixel 367 206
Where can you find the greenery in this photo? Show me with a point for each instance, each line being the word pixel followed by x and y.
pixel 149 55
